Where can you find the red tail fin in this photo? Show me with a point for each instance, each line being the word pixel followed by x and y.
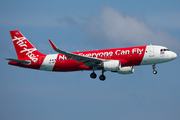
pixel 24 48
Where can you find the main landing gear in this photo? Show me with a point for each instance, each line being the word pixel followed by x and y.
pixel 101 77
pixel 154 71
pixel 93 75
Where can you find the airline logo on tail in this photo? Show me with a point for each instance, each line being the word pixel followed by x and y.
pixel 23 47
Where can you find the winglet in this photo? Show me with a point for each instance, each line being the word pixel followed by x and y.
pixel 52 44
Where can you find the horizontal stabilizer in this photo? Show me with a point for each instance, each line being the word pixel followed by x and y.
pixel 19 61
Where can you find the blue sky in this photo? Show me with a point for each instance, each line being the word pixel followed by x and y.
pixel 89 25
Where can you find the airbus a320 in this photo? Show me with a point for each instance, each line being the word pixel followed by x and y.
pixel 118 60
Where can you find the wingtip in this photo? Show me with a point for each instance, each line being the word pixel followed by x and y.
pixel 52 44
pixel 7 58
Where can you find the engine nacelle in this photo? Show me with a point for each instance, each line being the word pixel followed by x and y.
pixel 112 65
pixel 126 70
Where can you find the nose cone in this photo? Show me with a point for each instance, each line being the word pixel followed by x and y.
pixel 173 55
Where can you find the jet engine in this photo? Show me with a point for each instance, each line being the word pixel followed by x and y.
pixel 126 70
pixel 115 66
pixel 112 65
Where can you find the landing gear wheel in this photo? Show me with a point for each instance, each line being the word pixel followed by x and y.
pixel 154 72
pixel 93 75
pixel 102 77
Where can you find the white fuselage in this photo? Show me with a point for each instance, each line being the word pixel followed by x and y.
pixel 157 54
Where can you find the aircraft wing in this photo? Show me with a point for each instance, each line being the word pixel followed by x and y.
pixel 88 61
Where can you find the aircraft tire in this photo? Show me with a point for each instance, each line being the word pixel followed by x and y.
pixel 154 72
pixel 102 77
pixel 93 75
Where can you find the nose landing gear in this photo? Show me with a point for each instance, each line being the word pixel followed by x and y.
pixel 154 71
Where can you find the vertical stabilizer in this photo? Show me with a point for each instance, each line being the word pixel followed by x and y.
pixel 23 47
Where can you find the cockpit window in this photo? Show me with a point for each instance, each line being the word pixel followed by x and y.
pixel 164 50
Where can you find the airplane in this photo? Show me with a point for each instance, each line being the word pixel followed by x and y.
pixel 118 60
